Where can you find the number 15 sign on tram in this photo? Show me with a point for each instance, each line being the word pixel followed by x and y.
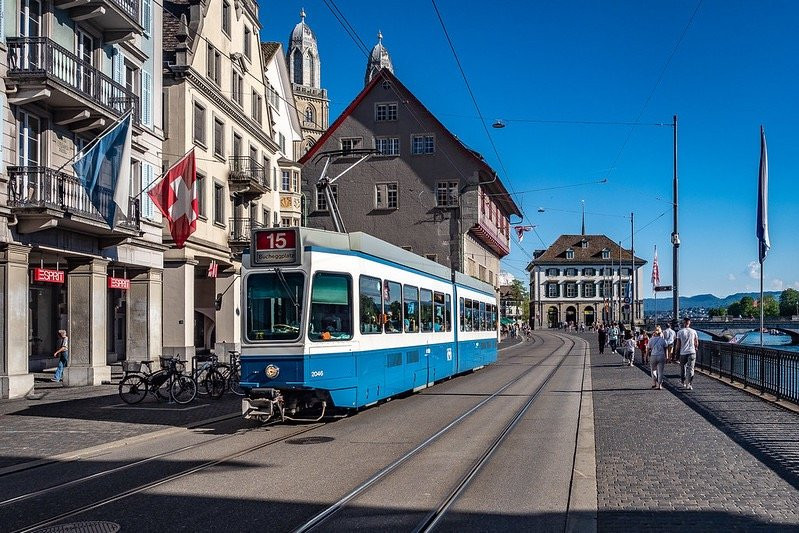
pixel 276 246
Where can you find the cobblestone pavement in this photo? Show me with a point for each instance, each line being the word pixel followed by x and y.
pixel 711 459
pixel 64 420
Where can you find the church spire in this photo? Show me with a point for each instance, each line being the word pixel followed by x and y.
pixel 378 59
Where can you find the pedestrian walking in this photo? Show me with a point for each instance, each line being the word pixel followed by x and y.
pixel 657 357
pixel 602 338
pixel 613 336
pixel 642 340
pixel 628 348
pixel 687 342
pixel 669 336
pixel 62 352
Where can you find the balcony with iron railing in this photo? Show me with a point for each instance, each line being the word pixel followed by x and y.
pixel 43 198
pixel 247 177
pixel 116 18
pixel 39 69
pixel 240 228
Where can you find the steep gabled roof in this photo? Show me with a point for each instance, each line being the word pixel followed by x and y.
pixel 591 254
pixel 269 49
pixel 495 187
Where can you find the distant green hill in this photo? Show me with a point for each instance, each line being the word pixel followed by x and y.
pixel 701 300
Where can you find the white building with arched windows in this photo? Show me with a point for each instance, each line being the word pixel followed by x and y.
pixel 585 279
pixel 313 107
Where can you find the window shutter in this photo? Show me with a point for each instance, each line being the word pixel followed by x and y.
pixel 2 22
pixel 147 98
pixel 118 66
pixel 148 175
pixel 147 16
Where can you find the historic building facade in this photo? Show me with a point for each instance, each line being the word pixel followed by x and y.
pixel 215 89
pixel 584 279
pixel 424 191
pixel 305 72
pixel 70 71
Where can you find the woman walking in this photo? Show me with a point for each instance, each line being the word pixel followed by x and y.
pixel 657 357
pixel 628 348
pixel 642 341
pixel 602 337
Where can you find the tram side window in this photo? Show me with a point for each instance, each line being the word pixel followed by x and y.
pixel 438 312
pixel 331 307
pixel 447 313
pixel 371 305
pixel 483 320
pixel 475 315
pixel 462 314
pixel 410 297
pixel 392 293
pixel 426 308
pixel 493 325
pixel 467 323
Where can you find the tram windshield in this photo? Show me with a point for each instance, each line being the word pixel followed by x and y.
pixel 274 305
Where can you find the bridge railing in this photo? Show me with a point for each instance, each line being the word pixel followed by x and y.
pixel 766 369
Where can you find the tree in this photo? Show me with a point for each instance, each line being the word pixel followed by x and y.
pixel 518 292
pixel 748 309
pixel 735 309
pixel 789 302
pixel 717 311
pixel 770 306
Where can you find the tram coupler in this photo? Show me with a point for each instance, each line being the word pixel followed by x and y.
pixel 262 404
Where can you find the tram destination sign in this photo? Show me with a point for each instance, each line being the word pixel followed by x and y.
pixel 276 246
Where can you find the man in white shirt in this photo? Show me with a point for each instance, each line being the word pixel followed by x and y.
pixel 669 336
pixel 613 337
pixel 687 342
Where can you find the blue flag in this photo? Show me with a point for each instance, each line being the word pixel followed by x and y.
pixel 762 200
pixel 104 171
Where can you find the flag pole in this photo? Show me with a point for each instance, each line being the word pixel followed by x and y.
pixel 91 144
pixel 761 302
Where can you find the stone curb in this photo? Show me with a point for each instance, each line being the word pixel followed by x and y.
pixel 93 450
pixel 583 502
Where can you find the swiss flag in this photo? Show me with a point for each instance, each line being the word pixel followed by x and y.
pixel 176 197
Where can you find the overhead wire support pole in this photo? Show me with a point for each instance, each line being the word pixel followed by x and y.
pixel 632 272
pixel 675 239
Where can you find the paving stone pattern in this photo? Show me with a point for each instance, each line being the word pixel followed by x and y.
pixel 711 459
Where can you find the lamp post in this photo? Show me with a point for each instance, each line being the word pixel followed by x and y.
pixel 675 240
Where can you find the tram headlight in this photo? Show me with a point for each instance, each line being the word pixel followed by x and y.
pixel 271 371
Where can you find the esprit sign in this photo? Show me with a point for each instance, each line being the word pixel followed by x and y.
pixel 122 284
pixel 279 246
pixel 47 275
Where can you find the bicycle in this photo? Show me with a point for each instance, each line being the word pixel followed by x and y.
pixel 209 379
pixel 232 372
pixel 167 383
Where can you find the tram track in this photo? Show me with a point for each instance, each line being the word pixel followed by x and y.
pixel 431 519
pixel 161 481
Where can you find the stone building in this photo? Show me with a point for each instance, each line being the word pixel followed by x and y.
pixel 70 71
pixel 215 89
pixel 305 72
pixel 425 191
pixel 584 279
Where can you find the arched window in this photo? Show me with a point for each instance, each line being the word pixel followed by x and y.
pixel 309 114
pixel 297 60
pixel 309 64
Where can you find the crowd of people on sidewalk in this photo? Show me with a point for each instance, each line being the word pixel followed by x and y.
pixel 657 348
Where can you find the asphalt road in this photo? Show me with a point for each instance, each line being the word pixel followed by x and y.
pixel 236 475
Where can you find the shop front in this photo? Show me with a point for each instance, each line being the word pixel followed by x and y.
pixel 47 313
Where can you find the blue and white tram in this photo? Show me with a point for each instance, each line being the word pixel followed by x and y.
pixel 344 320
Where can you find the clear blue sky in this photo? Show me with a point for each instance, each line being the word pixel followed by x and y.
pixel 735 68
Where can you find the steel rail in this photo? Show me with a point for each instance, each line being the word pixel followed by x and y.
pixel 326 514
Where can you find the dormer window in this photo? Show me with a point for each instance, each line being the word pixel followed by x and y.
pixel 605 254
pixel 583 243
pixel 569 253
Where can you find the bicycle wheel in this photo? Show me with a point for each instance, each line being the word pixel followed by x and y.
pixel 200 376
pixel 233 381
pixel 159 384
pixel 183 389
pixel 214 384
pixel 133 389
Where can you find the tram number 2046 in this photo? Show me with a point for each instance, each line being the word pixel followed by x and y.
pixel 317 373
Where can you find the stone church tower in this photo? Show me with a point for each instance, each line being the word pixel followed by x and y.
pixel 378 59
pixel 310 99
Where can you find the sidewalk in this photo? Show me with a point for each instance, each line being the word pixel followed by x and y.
pixel 64 420
pixel 711 459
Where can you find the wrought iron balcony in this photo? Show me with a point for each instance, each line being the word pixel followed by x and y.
pixel 118 19
pixel 42 198
pixel 240 228
pixel 42 69
pixel 247 177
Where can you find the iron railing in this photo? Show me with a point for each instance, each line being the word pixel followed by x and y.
pixel 43 187
pixel 240 228
pixel 244 168
pixel 32 57
pixel 766 369
pixel 130 7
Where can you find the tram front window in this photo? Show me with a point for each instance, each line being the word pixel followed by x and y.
pixel 331 307
pixel 274 306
